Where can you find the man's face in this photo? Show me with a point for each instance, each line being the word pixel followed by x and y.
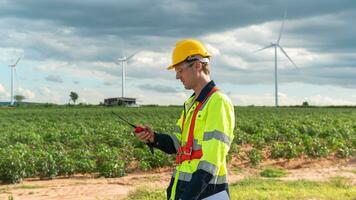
pixel 185 72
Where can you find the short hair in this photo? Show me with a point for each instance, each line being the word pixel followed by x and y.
pixel 206 68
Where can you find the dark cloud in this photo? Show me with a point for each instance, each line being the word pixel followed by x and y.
pixel 165 17
pixel 54 78
pixel 332 33
pixel 88 31
pixel 340 76
pixel 107 83
pixel 159 88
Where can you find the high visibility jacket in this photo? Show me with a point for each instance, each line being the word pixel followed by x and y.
pixel 213 133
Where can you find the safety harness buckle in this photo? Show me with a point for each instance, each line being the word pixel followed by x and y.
pixel 188 153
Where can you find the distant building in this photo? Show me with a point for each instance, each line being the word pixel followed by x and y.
pixel 120 101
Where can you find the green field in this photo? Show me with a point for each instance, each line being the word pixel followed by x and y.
pixel 258 189
pixel 61 141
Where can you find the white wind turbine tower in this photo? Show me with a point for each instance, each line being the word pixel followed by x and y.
pixel 277 45
pixel 123 62
pixel 13 71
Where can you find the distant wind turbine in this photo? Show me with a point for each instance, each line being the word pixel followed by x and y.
pixel 13 71
pixel 275 45
pixel 123 62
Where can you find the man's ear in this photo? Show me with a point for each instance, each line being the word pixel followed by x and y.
pixel 198 66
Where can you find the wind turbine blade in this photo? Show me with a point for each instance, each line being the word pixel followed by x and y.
pixel 285 53
pixel 266 47
pixel 17 61
pixel 132 55
pixel 117 61
pixel 282 27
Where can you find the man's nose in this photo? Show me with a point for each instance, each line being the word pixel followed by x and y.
pixel 177 76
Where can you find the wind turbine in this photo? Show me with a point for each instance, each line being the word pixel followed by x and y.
pixel 13 71
pixel 277 45
pixel 123 62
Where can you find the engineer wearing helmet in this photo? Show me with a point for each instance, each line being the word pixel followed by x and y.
pixel 204 130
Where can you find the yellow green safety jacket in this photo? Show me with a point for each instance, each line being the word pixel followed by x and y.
pixel 205 174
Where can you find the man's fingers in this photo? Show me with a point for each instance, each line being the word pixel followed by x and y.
pixel 148 129
pixel 141 135
pixel 144 136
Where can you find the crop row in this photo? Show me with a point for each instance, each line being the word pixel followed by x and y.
pixel 39 142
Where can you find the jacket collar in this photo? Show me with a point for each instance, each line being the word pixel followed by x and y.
pixel 205 91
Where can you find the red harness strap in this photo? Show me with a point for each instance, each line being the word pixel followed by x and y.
pixel 186 152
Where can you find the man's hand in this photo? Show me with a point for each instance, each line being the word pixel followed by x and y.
pixel 146 136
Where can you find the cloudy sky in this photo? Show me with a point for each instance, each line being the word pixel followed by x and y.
pixel 73 45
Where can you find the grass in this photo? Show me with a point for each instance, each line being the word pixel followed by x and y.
pixel 236 169
pixel 337 188
pixel 147 194
pixel 23 186
pixel 4 189
pixel 273 173
pixel 20 186
pixel 341 182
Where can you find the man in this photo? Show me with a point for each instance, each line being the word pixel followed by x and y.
pixel 204 131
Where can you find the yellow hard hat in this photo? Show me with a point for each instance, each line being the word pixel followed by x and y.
pixel 185 48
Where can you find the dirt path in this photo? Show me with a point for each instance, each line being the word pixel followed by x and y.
pixel 82 187
pixel 117 188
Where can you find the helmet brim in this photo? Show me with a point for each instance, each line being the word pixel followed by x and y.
pixel 171 67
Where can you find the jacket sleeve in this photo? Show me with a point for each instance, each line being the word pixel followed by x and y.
pixel 168 143
pixel 164 142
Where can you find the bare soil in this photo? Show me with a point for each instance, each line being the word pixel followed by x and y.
pixel 89 188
